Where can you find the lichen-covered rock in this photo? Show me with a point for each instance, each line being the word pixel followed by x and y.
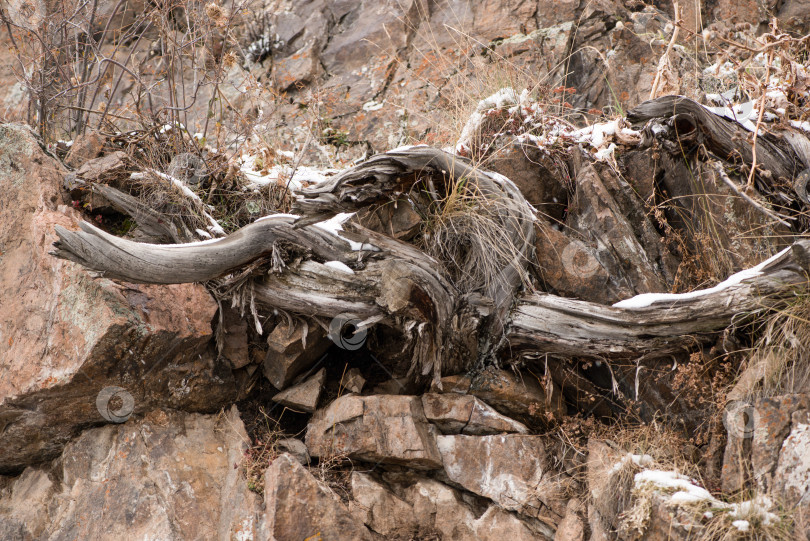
pixel 513 470
pixel 65 336
pixel 466 414
pixel 382 428
pixel 168 476
pixel 298 507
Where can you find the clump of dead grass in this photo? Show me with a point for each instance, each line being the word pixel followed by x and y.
pixel 779 360
pixel 263 449
pixel 465 230
pixel 335 472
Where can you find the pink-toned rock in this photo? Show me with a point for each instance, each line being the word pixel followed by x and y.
pixel 305 395
pixel 380 509
pixel 292 351
pixel 572 527
pixel 85 148
pixel 512 470
pixel 298 507
pixel 65 336
pixel 466 414
pixel 301 68
pixel 520 395
pixel 235 339
pixel 168 476
pixel 792 476
pixel 380 428
pixel 427 508
pixel 103 168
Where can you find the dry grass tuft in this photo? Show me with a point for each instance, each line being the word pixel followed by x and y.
pixel 262 451
pixel 779 361
pixel 465 230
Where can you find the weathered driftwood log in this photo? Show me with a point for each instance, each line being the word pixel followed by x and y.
pixel 549 324
pixel 400 281
pixel 727 139
pixel 194 262
pixel 386 176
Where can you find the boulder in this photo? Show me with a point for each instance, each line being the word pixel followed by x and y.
pixel 613 222
pixel 103 168
pixel 303 396
pixel 569 267
pixel 572 526
pixel 513 470
pixel 445 512
pixel 169 476
pixel 295 448
pixel 381 428
pixel 298 507
pixel 774 421
pixel 610 481
pixel 293 351
pixel 755 438
pixel 24 505
pixel 533 171
pixel 234 338
pixel 353 381
pixel 85 148
pixel 466 414
pixel 521 395
pixel 380 509
pixel 69 341
pixel 792 476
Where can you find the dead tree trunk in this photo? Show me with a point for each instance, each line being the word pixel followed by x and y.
pixel 463 292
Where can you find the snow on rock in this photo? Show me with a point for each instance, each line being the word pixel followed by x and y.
pixel 283 174
pixel 685 491
pixel 646 299
pixel 502 99
pixel 538 128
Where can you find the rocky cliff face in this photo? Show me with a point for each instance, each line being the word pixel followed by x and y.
pixel 184 412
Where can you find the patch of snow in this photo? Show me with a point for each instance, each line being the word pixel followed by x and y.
pixel 638 460
pixel 741 525
pixel 804 125
pixel 605 153
pixel 334 226
pixel 339 266
pixel 280 173
pixel 646 299
pixel 169 127
pixel 449 150
pixel 372 106
pixel 685 488
pixel 687 492
pixel 720 70
pixel 502 99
